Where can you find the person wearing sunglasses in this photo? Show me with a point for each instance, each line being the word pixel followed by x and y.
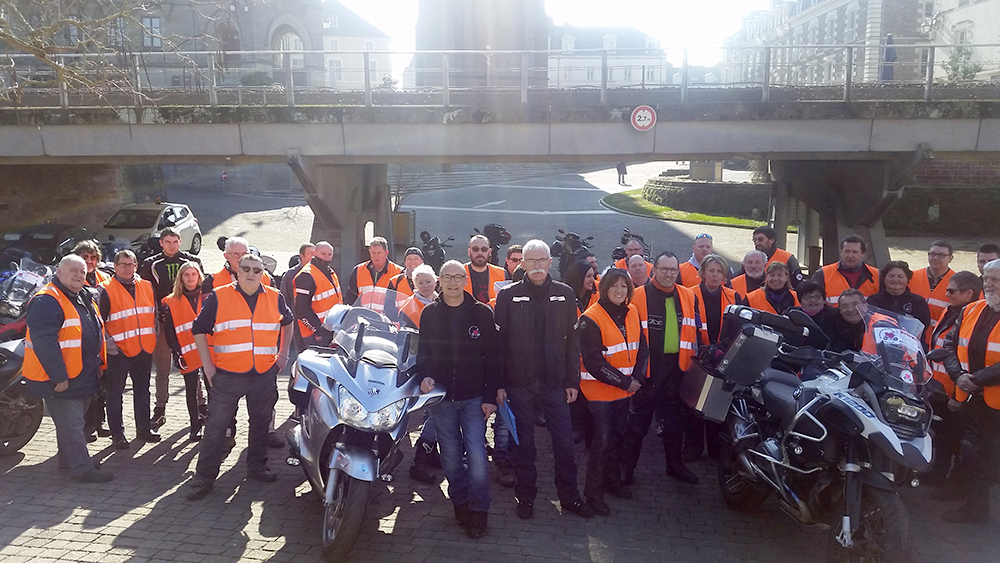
pixel 963 288
pixel 515 254
pixel 250 327
pixel 481 276
pixel 702 247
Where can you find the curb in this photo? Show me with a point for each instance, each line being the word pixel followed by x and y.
pixel 689 221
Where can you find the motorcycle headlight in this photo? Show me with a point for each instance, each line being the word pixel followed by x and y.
pixel 388 417
pixel 9 310
pixel 351 409
pixel 897 409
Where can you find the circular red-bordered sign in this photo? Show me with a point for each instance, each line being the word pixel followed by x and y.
pixel 643 118
pixel 225 176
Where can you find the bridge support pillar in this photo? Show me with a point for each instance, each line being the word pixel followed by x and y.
pixel 850 196
pixel 780 208
pixel 344 198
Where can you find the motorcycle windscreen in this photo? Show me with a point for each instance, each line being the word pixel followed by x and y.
pixel 389 339
pixel 893 343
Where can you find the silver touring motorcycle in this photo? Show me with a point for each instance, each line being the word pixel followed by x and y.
pixel 830 434
pixel 353 401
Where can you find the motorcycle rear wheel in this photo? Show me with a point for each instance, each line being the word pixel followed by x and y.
pixel 738 492
pixel 342 518
pixel 883 535
pixel 20 417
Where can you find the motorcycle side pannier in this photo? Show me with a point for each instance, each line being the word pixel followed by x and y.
pixel 706 394
pixel 751 351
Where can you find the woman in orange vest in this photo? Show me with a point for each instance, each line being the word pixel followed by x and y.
pixel 180 308
pixel 776 296
pixel 614 352
pixel 425 285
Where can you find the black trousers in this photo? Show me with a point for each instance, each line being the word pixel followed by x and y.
pixel 605 460
pixel 660 397
pixel 121 368
pixel 980 453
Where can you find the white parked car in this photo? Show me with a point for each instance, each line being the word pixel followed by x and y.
pixel 138 221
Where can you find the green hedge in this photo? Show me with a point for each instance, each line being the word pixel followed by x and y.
pixel 961 212
pixel 711 198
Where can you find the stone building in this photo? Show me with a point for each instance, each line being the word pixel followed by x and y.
pixel 634 58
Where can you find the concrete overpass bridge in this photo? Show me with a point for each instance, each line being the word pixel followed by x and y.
pixel 848 161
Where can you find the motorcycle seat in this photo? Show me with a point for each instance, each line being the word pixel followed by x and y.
pixel 779 393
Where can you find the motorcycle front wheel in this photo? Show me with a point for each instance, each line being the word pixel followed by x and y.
pixel 738 492
pixel 883 535
pixel 20 417
pixel 342 517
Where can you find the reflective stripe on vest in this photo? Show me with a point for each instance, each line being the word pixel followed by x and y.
pixel 620 351
pixel 937 300
pixel 937 368
pixel 70 338
pixel 835 283
pixel 970 315
pixel 372 294
pixel 245 341
pixel 183 317
pixel 327 294
pixel 132 322
pixel 412 308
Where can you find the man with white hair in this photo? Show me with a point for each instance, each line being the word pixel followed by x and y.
pixel 637 271
pixel 63 355
pixel 753 273
pixel 540 365
pixel 236 247
pixel 974 365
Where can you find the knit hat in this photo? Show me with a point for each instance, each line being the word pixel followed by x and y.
pixel 413 250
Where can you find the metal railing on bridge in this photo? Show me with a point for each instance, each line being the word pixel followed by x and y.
pixel 455 78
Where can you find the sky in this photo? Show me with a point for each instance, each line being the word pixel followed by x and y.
pixel 676 23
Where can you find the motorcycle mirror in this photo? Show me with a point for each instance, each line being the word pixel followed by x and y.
pixel 938 354
pixel 802 319
pixel 589 238
pixel 360 340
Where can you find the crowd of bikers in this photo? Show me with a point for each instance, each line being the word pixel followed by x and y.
pixel 596 358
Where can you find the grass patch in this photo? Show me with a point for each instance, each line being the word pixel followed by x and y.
pixel 631 201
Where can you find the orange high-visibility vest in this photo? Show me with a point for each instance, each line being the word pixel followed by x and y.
pixel 835 283
pixel 758 300
pixel 371 294
pixel 496 274
pixel 245 341
pixel 401 285
pixel 937 300
pixel 594 298
pixel 780 255
pixel 412 308
pixel 225 277
pixel 689 328
pixel 183 317
pixel 688 275
pixel 132 322
pixel 937 368
pixel 728 298
pixel 70 339
pixel 100 276
pixel 620 351
pixel 970 315
pixel 327 294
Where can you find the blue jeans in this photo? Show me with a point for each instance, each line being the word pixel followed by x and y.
pixel 427 432
pixel 557 420
pixel 501 439
pixel 261 392
pixel 67 415
pixel 461 428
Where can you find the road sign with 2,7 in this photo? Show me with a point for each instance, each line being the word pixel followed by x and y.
pixel 643 118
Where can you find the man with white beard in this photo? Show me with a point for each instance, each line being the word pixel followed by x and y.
pixel 753 273
pixel 974 365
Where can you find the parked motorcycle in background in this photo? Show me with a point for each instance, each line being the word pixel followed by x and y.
pixel 20 413
pixel 619 252
pixel 353 402
pixel 16 290
pixel 569 247
pixel 498 236
pixel 434 250
pixel 834 445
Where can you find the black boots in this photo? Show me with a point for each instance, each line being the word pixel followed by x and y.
pixel 672 448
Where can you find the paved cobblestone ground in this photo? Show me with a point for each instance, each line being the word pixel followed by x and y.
pixel 142 515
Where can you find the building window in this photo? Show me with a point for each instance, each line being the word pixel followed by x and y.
pixel 610 41
pixel 151 33
pixel 116 32
pixel 928 9
pixel 369 45
pixel 331 22
pixel 924 58
pixel 830 38
pixel 373 71
pixel 651 75
pixel 627 73
pixel 568 42
pixel 590 75
pixel 72 33
pixel 962 36
pixel 851 33
pixel 611 73
pixel 336 69
pixel 566 73
pixel 332 44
